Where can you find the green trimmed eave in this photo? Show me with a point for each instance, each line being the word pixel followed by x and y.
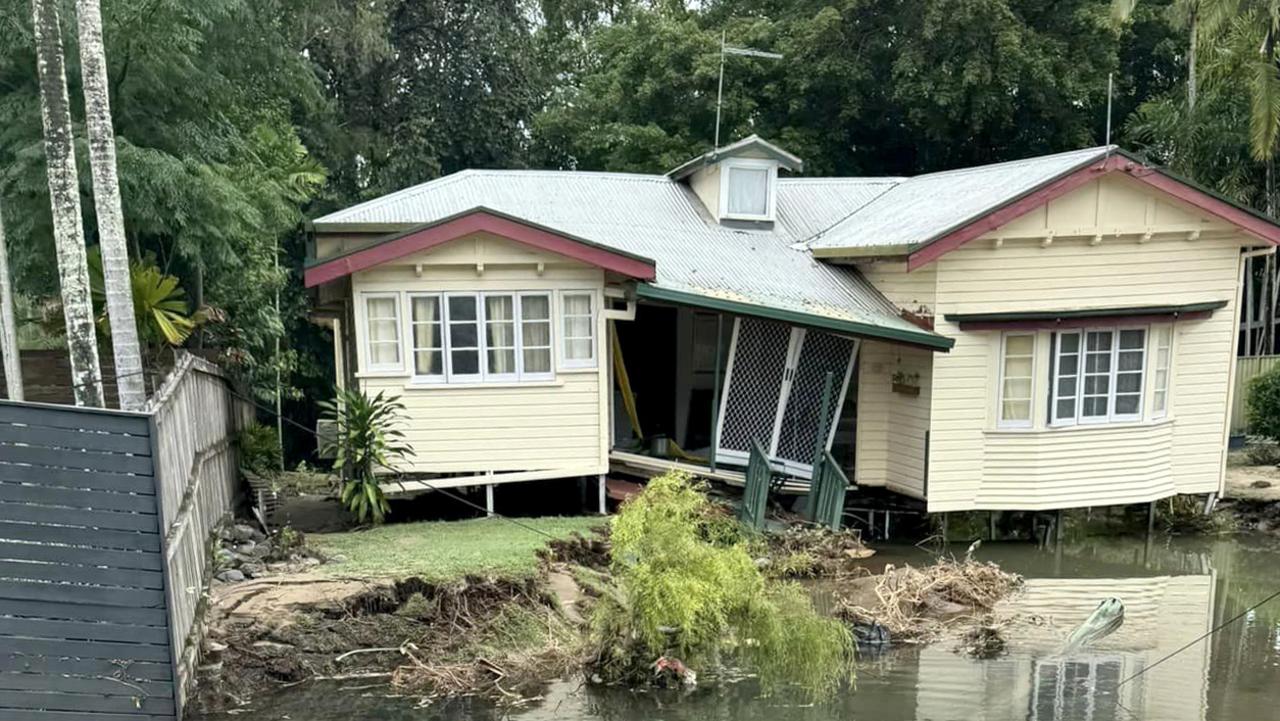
pixel 921 338
pixel 866 252
pixel 1049 315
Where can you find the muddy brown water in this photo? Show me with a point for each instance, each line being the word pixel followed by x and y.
pixel 1174 591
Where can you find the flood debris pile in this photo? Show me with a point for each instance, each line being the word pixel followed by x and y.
pixel 474 636
pixel 809 551
pixel 919 604
pixel 685 598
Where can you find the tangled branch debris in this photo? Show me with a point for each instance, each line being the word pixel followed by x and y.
pixel 918 604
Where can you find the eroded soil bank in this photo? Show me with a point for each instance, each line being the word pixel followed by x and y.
pixel 471 636
pixel 503 639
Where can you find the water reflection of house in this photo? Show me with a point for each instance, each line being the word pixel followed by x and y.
pixel 1033 683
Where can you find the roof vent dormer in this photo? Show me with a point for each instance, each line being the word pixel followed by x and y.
pixel 739 182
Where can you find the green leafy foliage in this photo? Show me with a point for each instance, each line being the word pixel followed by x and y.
pixel 1263 405
pixel 259 449
pixel 688 588
pixel 159 305
pixel 367 442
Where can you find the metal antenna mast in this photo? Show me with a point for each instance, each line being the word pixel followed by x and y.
pixel 1108 143
pixel 731 50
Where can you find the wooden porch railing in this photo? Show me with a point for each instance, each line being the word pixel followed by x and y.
pixel 755 495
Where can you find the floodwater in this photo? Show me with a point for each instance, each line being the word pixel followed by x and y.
pixel 1174 591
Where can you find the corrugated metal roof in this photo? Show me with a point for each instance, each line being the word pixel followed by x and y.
pixel 922 208
pixel 655 217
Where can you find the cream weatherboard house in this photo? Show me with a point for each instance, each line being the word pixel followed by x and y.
pixel 1040 334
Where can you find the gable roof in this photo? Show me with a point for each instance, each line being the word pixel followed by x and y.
pixel 923 207
pixel 747 146
pixel 478 220
pixel 926 216
pixel 756 271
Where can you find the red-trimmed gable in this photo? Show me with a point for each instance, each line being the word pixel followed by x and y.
pixel 479 221
pixel 1257 226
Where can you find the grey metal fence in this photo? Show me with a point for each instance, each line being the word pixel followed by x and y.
pixel 104 520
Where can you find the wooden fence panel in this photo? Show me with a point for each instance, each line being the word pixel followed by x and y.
pixel 84 629
pixel 194 419
pixel 1246 370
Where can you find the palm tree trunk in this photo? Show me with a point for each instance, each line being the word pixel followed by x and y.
pixel 106 201
pixel 64 198
pixel 8 327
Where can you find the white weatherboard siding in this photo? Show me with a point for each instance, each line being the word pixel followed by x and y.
pixel 891 426
pixel 543 429
pixel 975 465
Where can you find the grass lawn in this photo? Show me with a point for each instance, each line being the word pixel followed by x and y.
pixel 444 550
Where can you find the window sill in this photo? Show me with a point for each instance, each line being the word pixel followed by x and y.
pixel 442 386
pixel 579 369
pixel 1082 427
pixel 381 374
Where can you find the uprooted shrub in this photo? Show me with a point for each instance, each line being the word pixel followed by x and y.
pixel 685 587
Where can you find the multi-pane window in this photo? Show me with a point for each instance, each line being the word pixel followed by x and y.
pixel 463 321
pixel 578 316
pixel 1098 375
pixel 382 322
pixel 500 336
pixel 1163 360
pixel 535 334
pixel 426 335
pixel 1017 366
pixel 474 337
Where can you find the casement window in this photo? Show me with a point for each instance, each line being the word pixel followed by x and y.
pixel 578 329
pixel 746 190
pixel 535 335
pixel 382 331
pixel 426 321
pixel 1098 375
pixel 1163 337
pixel 462 319
pixel 1017 369
pixel 480 337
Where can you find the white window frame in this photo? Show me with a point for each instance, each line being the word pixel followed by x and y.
pixel 411 355
pixel 1055 375
pixel 770 191
pixel 449 376
pixel 1156 390
pixel 550 373
pixel 1113 372
pixel 366 330
pixel 489 376
pixel 579 363
pixel 450 373
pixel 1001 421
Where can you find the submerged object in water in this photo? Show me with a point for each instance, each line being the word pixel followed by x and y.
pixel 1105 619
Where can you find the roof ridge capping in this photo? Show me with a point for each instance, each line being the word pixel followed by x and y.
pixel 751 142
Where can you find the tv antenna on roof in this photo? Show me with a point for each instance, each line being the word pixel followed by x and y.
pixel 733 50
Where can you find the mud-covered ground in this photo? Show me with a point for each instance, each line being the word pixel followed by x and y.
pixel 473 635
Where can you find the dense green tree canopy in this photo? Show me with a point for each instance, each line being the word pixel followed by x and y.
pixel 237 119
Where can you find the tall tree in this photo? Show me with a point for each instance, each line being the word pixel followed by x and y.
pixel 106 203
pixel 64 199
pixel 8 326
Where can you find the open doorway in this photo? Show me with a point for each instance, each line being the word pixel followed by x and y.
pixel 671 356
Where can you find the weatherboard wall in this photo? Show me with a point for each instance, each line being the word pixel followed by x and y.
pixel 973 464
pixel 544 429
